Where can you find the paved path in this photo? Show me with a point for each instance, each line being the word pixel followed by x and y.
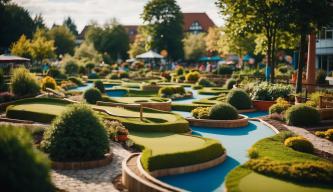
pixel 98 180
pixel 319 144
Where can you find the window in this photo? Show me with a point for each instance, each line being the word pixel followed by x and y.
pixel 329 34
pixel 195 27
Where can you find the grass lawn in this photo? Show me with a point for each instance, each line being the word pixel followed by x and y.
pixel 163 143
pixel 210 100
pixel 244 179
pixel 130 100
pixel 212 91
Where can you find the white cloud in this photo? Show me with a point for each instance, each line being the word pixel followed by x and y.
pixel 126 11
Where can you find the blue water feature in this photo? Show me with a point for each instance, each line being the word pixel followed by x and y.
pixel 83 88
pixel 116 93
pixel 236 141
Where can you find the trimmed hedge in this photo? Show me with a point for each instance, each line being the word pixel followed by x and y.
pixel 239 99
pixel 299 143
pixel 99 85
pixel 92 95
pixel 223 111
pixel 302 171
pixel 211 150
pixel 230 83
pixel 23 168
pixel 302 115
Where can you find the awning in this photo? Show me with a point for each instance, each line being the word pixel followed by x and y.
pixel 12 59
pixel 149 55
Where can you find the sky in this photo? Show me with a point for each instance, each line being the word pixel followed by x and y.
pixel 127 12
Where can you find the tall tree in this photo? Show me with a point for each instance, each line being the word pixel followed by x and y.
pixel 64 40
pixel 111 40
pixel 39 21
pixel 15 21
pixel 259 16
pixel 87 53
pixel 22 47
pixel 165 22
pixel 40 47
pixel 68 22
pixel 212 39
pixel 307 17
pixel 194 46
pixel 141 42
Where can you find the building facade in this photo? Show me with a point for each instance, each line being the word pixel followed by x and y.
pixel 324 49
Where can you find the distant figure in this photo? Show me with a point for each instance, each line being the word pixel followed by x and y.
pixel 209 67
pixel 202 67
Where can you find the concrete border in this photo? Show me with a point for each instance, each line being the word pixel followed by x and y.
pixel 241 122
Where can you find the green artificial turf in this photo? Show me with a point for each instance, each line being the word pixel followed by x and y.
pixel 130 100
pixel 186 107
pixel 212 91
pixel 210 100
pixel 163 143
pixel 244 179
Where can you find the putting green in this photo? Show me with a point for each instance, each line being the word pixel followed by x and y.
pixel 210 100
pixel 212 91
pixel 250 184
pixel 130 100
pixel 164 143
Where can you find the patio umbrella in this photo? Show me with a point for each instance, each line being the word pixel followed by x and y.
pixel 149 55
pixel 12 59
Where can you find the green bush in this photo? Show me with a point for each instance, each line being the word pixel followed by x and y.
pixel 76 135
pixel 204 82
pixel 321 77
pixel 253 153
pixel 192 76
pixel 299 143
pixel 123 75
pixel 225 70
pixel 276 108
pixel 310 171
pixel 93 76
pixel 71 66
pixel 196 87
pixel 100 86
pixel 211 150
pixel 56 73
pixel 23 83
pixel 92 95
pixel 302 115
pixel 113 76
pixel 223 111
pixel 180 71
pixel 169 91
pixel 200 112
pixel 239 99
pixel 328 134
pixel 230 83
pixel 76 80
pixel 23 168
pixel 270 92
pixel 48 82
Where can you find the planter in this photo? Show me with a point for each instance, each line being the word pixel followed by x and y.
pixel 122 137
pixel 241 122
pixel 82 164
pixel 262 105
pixel 330 80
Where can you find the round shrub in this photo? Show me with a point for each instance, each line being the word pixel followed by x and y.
pixel 277 108
pixel 180 78
pixel 329 134
pixel 22 167
pixel 180 71
pixel 299 143
pixel 48 82
pixel 76 135
pixel 123 75
pixel 100 86
pixel 71 66
pixel 113 76
pixel 223 111
pixel 165 91
pixel 92 95
pixel 230 83
pixel 225 70
pixel 192 76
pixel 205 82
pixel 196 87
pixel 302 115
pixel 23 83
pixel 200 112
pixel 76 80
pixel 239 99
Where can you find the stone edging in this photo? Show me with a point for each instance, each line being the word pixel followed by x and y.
pixel 185 169
pixel 242 122
pixel 82 165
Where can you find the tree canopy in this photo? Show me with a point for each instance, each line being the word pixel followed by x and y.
pixel 70 24
pixel 165 23
pixel 63 39
pixel 194 46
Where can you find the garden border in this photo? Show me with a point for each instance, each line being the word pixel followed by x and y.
pixel 241 122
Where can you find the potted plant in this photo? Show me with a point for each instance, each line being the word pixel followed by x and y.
pixel 116 130
pixel 122 134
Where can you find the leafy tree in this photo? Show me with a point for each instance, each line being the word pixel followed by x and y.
pixel 39 22
pixel 259 16
pixel 165 23
pixel 212 39
pixel 306 17
pixel 15 21
pixel 87 53
pixel 111 40
pixel 63 39
pixel 22 47
pixel 141 43
pixel 69 23
pixel 40 47
pixel 194 46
